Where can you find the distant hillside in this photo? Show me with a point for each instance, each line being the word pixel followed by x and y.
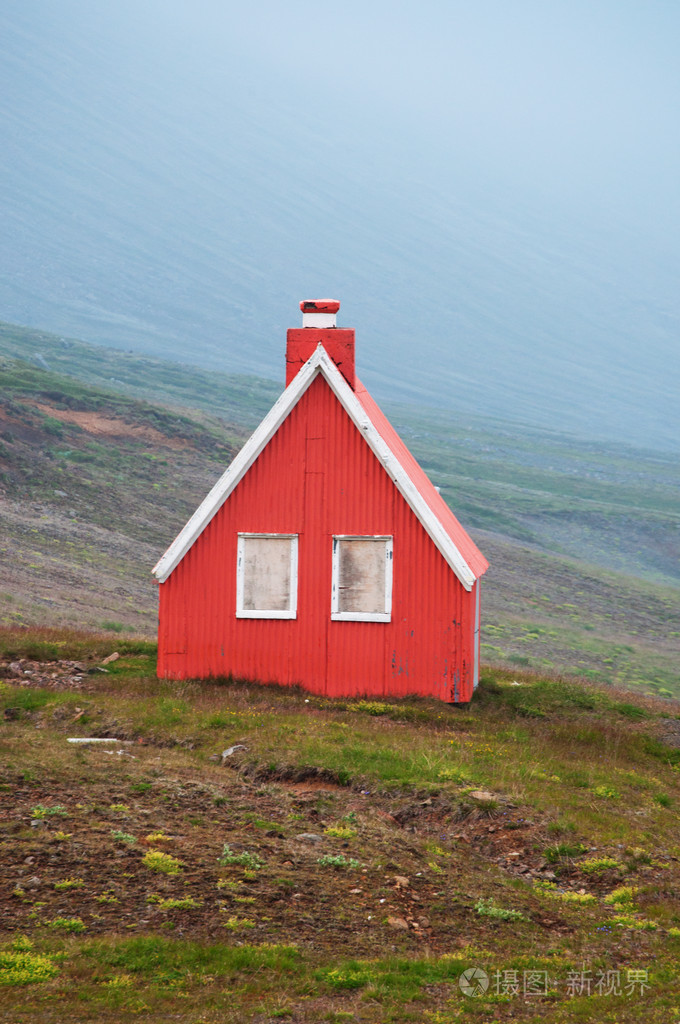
pixel 96 480
pixel 93 485
pixel 611 505
pixel 236 397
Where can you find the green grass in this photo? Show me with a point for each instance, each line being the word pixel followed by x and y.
pixel 398 795
pixel 158 958
pixel 42 643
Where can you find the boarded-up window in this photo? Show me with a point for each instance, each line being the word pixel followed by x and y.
pixel 266 576
pixel 362 579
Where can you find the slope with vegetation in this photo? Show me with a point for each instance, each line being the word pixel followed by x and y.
pixel 253 853
pixel 93 484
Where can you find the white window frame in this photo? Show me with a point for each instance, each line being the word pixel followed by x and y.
pixel 262 613
pixel 383 616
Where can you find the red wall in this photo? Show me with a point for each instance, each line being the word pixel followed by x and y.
pixel 318 477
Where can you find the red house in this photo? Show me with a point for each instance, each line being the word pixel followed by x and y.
pixel 324 556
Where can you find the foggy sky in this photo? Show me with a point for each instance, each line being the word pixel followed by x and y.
pixel 485 148
pixel 579 99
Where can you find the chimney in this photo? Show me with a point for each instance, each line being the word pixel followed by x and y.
pixel 318 326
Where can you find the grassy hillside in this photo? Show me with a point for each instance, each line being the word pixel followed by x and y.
pixel 239 398
pixel 104 455
pixel 93 485
pixel 613 506
pixel 347 861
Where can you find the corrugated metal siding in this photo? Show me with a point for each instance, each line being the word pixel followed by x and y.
pixel 317 477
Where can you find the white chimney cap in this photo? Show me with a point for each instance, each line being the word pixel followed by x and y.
pixel 319 312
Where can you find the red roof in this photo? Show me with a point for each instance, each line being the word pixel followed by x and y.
pixel 467 547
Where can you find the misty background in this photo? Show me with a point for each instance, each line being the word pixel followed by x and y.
pixel 491 190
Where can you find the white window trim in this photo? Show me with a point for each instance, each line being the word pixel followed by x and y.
pixel 338 616
pixel 259 613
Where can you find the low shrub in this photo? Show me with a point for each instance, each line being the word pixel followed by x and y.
pixel 338 861
pixel 487 908
pixel 622 897
pixel 599 865
pixel 156 860
pixel 19 966
pixel 66 924
pixel 245 859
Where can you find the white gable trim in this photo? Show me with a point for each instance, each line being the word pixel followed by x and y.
pixel 318 363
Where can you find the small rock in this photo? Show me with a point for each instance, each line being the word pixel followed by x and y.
pixel 386 816
pixel 355 892
pixel 397 922
pixel 29 860
pixel 287 864
pixel 550 875
pixel 401 881
pixel 424 922
pixel 61 494
pixel 112 657
pixel 230 750
pixel 482 794
pixel 309 837
pixel 15 668
pixel 38 823
pixel 32 883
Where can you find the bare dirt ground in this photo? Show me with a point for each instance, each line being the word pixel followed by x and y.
pixel 111 426
pixel 111 805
